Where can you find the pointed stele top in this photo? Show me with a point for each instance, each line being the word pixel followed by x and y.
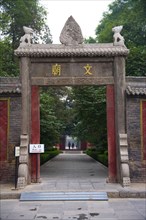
pixel 71 33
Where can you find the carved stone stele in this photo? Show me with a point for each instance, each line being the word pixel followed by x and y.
pixel 71 33
pixel 124 160
pixel 23 162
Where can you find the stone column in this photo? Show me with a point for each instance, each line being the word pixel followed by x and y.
pixel 111 136
pixel 35 133
pixel 23 174
pixel 120 116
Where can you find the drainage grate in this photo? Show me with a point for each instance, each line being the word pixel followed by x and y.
pixel 63 196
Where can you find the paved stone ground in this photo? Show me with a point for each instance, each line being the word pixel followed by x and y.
pixel 73 173
pixel 78 172
pixel 114 209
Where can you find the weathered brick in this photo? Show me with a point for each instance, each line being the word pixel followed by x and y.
pixel 137 173
pixel 7 171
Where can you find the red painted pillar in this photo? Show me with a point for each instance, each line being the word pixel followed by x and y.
pixel 110 100
pixel 35 133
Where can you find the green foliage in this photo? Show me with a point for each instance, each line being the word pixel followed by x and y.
pixel 56 114
pixel 132 15
pixel 90 40
pixel 79 112
pixel 13 16
pixel 19 13
pixel 136 62
pixel 7 66
pixel 51 126
pixel 90 114
pixel 49 154
pixel 99 155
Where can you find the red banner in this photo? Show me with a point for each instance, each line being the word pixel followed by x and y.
pixel 144 129
pixel 3 129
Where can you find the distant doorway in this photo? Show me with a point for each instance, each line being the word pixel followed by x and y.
pixel 72 143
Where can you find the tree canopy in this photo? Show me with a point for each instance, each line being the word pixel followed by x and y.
pixel 132 15
pixel 13 16
pixel 90 114
pixel 56 115
pixel 79 111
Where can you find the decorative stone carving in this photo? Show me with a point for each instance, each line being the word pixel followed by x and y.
pixel 23 162
pixel 23 171
pixel 71 33
pixel 23 159
pixel 124 159
pixel 132 90
pixel 118 38
pixel 21 182
pixel 27 38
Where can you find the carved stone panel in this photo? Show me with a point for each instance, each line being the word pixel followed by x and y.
pixel 71 69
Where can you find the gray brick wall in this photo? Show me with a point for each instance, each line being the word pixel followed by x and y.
pixel 7 171
pixel 137 167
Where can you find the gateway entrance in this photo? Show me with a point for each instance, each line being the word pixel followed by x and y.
pixel 73 63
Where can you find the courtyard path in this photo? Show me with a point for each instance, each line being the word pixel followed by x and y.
pixel 73 172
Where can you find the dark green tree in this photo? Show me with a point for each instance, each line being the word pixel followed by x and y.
pixel 56 115
pixel 13 16
pixel 132 15
pixel 90 114
pixel 7 65
pixel 90 40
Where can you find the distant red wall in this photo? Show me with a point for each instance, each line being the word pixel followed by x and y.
pixel 62 143
pixel 3 128
pixel 83 145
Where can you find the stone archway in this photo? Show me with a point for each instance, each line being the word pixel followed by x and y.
pixel 74 63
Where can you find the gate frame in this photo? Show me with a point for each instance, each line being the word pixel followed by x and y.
pixel 35 63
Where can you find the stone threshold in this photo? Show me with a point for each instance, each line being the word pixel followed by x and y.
pixel 111 194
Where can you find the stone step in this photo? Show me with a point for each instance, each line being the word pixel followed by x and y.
pixel 72 152
pixel 63 196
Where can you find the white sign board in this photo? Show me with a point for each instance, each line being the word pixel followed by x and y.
pixel 17 151
pixel 36 148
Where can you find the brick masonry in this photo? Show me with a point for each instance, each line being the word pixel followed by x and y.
pixel 7 171
pixel 133 114
pixel 133 125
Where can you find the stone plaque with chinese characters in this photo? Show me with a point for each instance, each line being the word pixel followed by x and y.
pixel 48 72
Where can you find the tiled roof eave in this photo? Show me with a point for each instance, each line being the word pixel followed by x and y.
pixel 85 50
pixel 135 90
pixel 10 91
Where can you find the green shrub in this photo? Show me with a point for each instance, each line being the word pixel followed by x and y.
pixel 49 154
pixel 98 155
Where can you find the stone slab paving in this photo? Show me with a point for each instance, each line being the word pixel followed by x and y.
pixel 114 209
pixel 72 172
pixel 75 172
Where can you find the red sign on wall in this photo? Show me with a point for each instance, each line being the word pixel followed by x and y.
pixel 3 129
pixel 143 120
